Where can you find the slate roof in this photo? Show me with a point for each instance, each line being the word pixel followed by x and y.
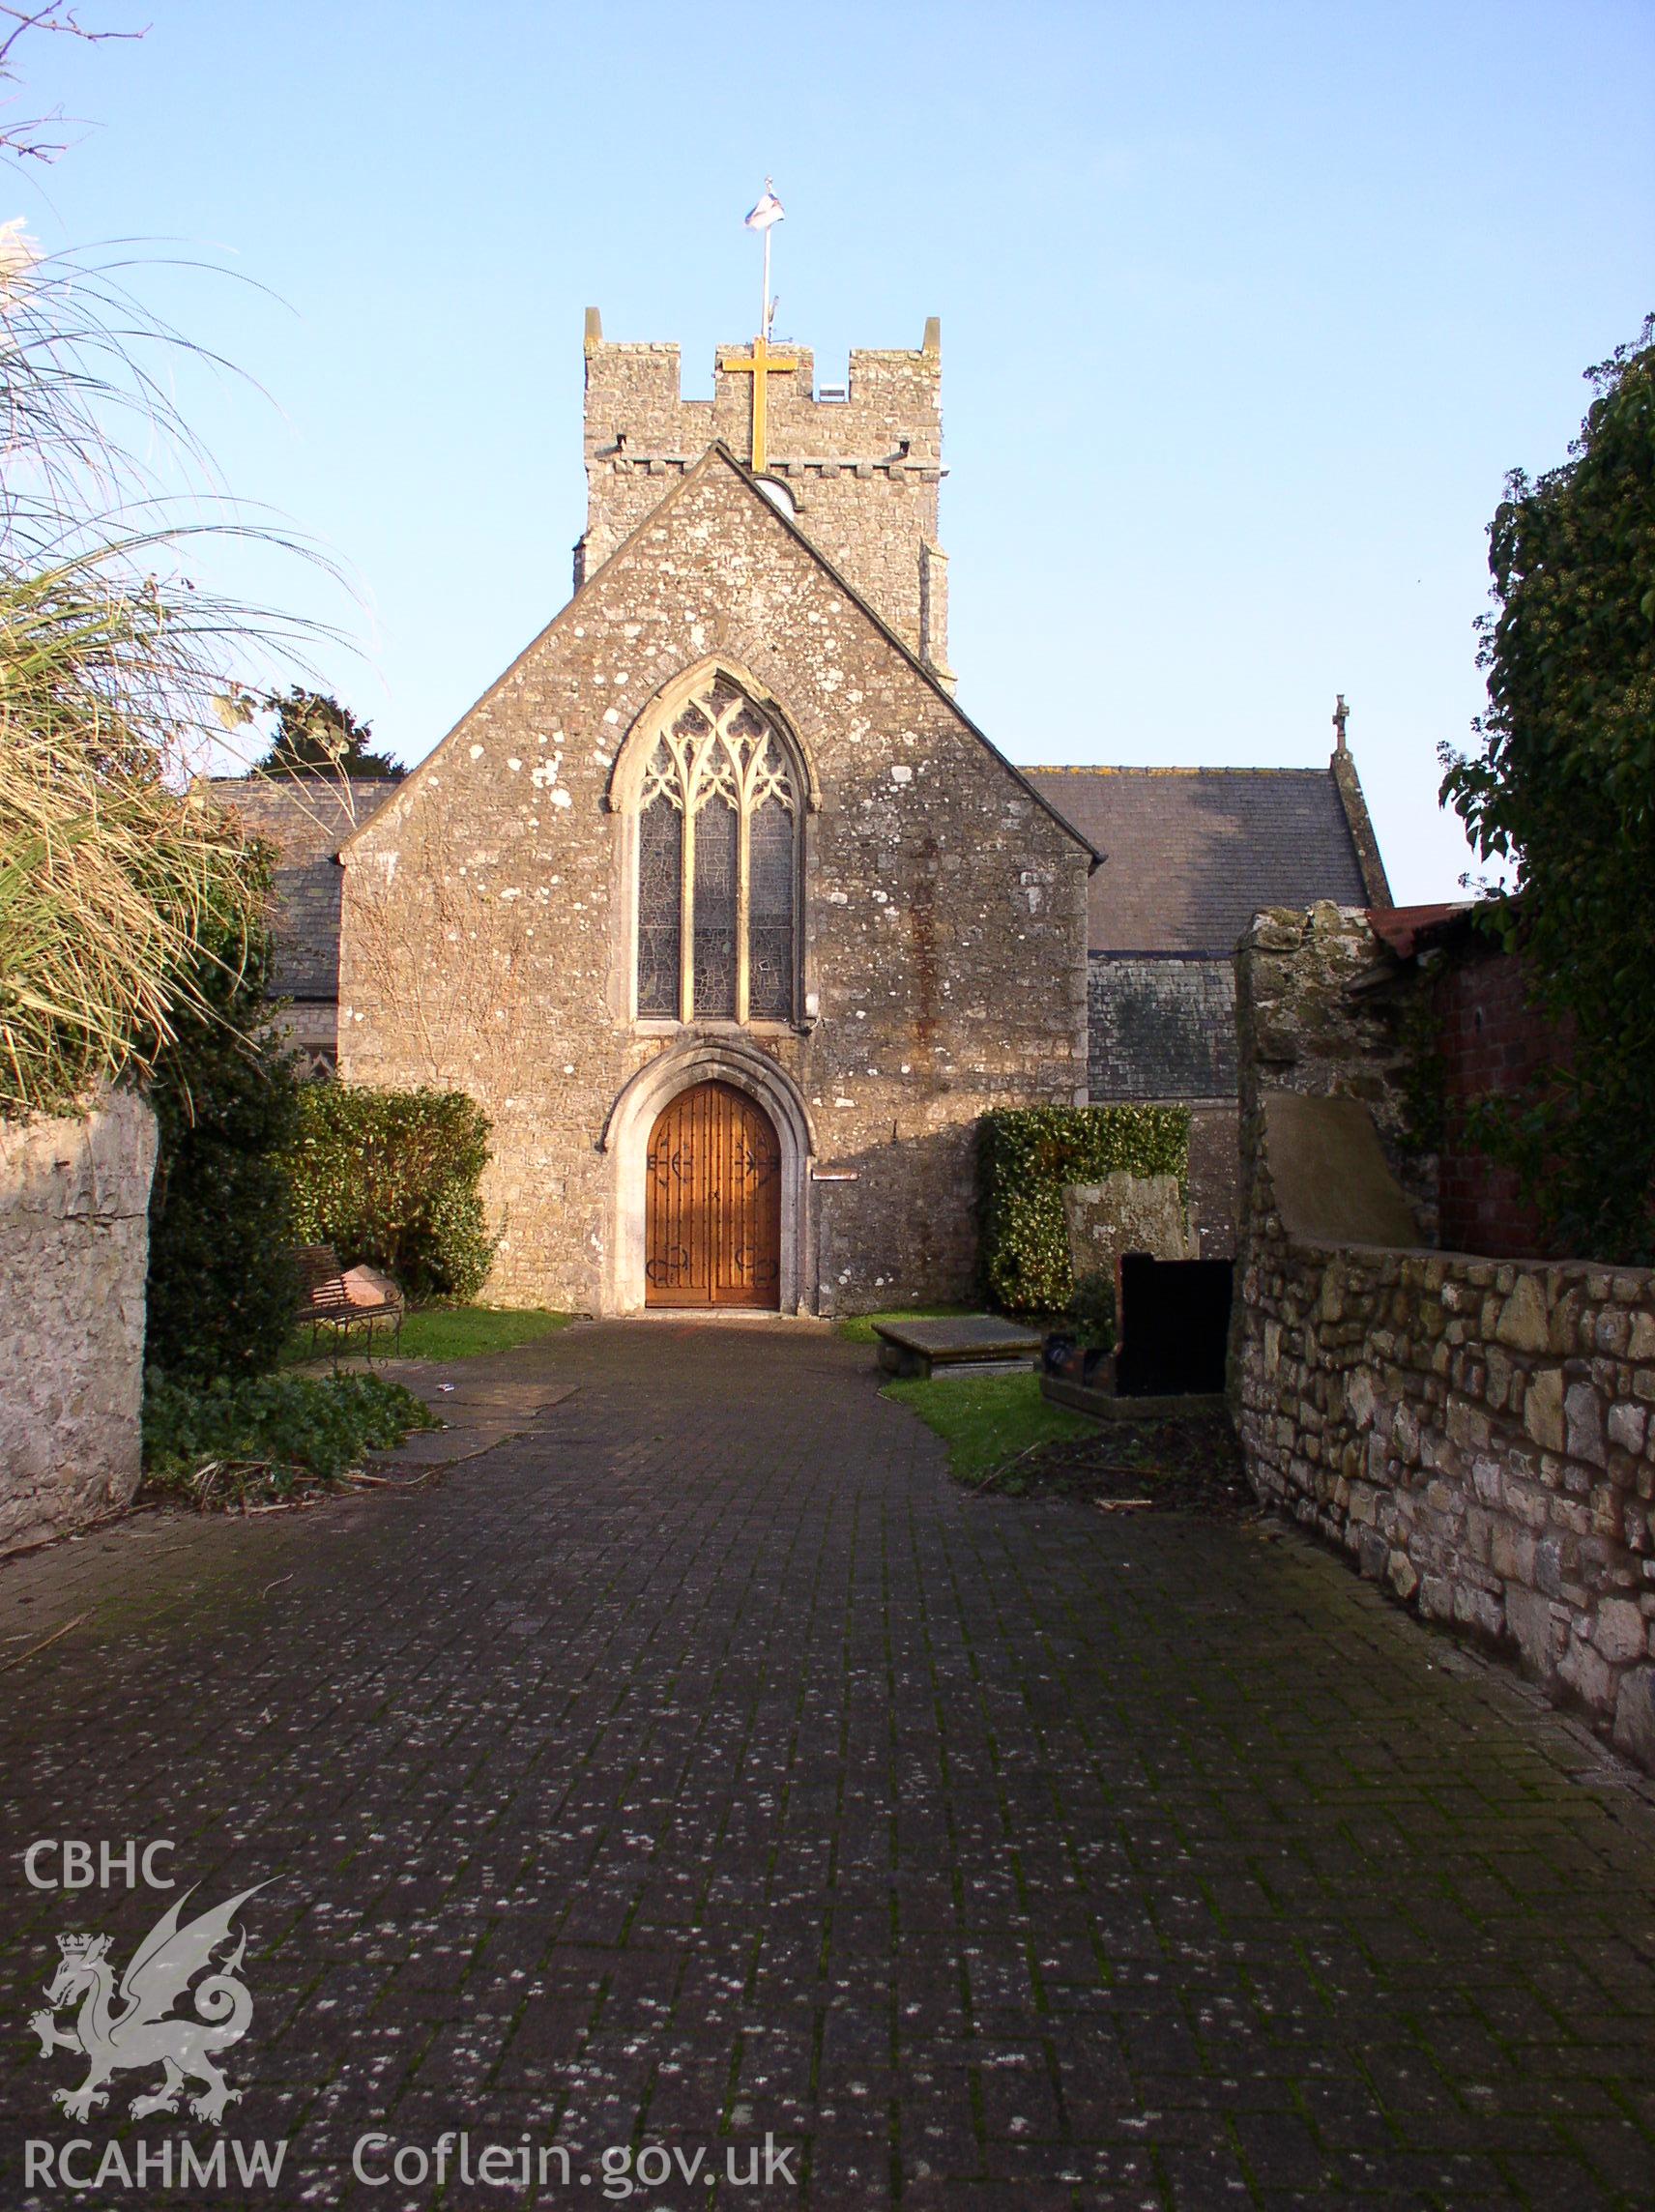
pixel 307 818
pixel 1192 854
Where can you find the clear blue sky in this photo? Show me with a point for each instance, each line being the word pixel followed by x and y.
pixel 1247 310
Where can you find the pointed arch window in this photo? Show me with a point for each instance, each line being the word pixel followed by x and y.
pixel 718 866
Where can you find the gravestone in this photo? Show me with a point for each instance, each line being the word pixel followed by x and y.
pixel 1174 1326
pixel 1126 1213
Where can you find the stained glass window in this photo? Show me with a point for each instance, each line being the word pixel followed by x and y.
pixel 717 761
pixel 715 842
pixel 769 913
pixel 660 889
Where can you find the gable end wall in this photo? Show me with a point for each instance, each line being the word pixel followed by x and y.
pixel 945 918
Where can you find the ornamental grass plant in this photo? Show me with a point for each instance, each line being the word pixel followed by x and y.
pixel 133 943
pixel 113 662
pixel 109 880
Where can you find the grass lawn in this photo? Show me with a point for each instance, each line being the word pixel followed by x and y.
pixel 989 1421
pixel 442 1332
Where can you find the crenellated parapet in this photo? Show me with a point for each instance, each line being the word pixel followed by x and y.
pixel 857 466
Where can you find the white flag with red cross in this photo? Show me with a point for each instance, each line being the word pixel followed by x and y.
pixel 768 210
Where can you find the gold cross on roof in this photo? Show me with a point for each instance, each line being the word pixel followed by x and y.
pixel 760 364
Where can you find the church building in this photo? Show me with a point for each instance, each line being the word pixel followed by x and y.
pixel 732 921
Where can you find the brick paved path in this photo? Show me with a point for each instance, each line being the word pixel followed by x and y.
pixel 704 1763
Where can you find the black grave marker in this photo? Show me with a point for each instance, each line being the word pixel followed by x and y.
pixel 1175 1326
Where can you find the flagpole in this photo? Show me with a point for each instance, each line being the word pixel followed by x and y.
pixel 765 302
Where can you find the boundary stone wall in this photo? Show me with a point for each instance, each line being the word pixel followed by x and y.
pixel 1305 1023
pixel 74 1258
pixel 1123 1214
pixel 1476 1433
pixel 1214 1174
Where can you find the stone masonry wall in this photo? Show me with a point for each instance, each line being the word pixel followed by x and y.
pixel 1477 1434
pixel 489 928
pixel 1306 1023
pixel 1126 1213
pixel 863 472
pixel 74 1256
pixel 304 820
pixel 1214 1175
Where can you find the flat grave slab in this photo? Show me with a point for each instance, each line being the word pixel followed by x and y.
pixel 963 1340
pixel 969 1370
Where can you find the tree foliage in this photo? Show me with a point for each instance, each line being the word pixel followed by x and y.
pixel 34 138
pixel 314 736
pixel 1562 788
pixel 222 1289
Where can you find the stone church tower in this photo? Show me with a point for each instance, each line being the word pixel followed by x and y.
pixel 715 901
pixel 857 464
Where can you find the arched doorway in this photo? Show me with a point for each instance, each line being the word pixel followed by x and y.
pixel 626 1141
pixel 712 1204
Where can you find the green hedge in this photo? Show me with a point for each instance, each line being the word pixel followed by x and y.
pixel 1026 1155
pixel 390 1178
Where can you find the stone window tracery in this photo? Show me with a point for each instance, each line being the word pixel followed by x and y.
pixel 718 866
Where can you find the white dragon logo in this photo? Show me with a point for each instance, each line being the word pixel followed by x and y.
pixel 129 2027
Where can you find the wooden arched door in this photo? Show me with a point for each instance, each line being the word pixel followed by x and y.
pixel 714 1211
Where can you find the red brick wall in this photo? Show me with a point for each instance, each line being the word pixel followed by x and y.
pixel 1492 1040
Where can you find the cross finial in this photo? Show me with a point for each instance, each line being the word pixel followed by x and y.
pixel 761 364
pixel 1341 716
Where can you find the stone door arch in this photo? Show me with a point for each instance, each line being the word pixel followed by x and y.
pixel 625 1143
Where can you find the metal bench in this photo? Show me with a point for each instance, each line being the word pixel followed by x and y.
pixel 330 1297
